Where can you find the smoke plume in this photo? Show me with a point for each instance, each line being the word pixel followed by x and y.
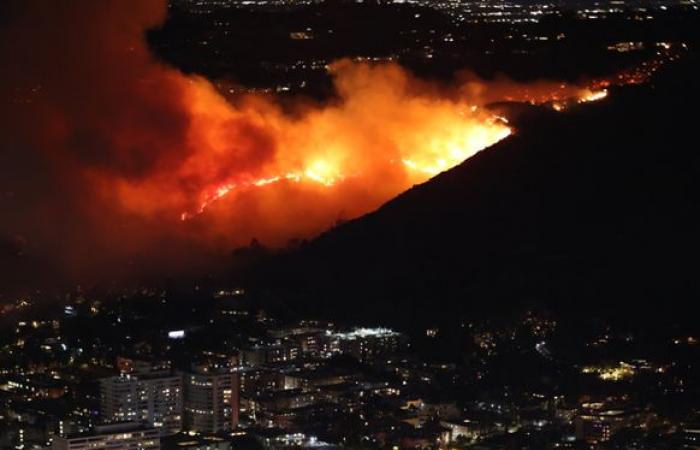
pixel 113 161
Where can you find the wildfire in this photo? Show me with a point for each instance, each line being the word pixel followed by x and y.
pixel 126 142
pixel 424 149
pixel 383 130
pixel 315 174
pixel 439 151
pixel 272 174
pixel 594 96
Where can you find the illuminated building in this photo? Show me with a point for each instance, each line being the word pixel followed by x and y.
pixel 290 399
pixel 311 379
pixel 308 339
pixel 257 379
pixel 122 436
pixel 270 353
pixel 34 387
pixel 597 422
pixel 145 394
pixel 367 343
pixel 211 400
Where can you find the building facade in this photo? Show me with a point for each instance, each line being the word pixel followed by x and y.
pixel 154 398
pixel 211 401
pixel 123 436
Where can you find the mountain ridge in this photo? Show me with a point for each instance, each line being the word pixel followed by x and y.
pixel 593 209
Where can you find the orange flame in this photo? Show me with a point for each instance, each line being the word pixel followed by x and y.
pixel 386 132
pixel 126 143
pixel 420 135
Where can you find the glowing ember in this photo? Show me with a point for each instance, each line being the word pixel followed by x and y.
pixel 594 96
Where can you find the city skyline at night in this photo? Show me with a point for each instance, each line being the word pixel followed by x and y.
pixel 408 224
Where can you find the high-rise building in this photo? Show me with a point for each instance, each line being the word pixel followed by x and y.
pixel 152 395
pixel 211 400
pixel 121 436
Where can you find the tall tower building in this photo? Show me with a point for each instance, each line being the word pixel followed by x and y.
pixel 150 394
pixel 211 400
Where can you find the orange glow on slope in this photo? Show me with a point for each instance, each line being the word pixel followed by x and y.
pixel 257 170
pixel 421 163
pixel 424 134
pixel 265 171
pixel 382 130
pixel 594 96
pixel 136 158
pixel 329 148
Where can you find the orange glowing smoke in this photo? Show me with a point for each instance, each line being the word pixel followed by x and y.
pixel 387 131
pixel 125 155
pixel 384 133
